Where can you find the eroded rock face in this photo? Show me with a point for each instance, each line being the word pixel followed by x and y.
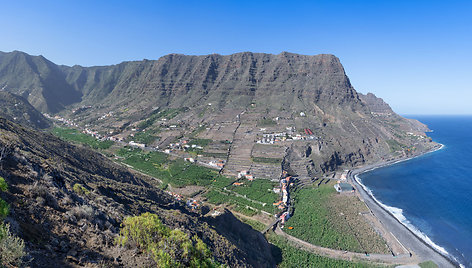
pixel 300 91
pixel 67 203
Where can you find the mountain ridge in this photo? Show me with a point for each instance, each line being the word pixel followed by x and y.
pixel 302 91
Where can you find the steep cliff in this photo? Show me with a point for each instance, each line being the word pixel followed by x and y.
pixel 290 90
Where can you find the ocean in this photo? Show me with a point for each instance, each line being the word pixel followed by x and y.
pixel 432 194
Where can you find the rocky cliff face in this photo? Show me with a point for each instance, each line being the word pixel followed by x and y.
pixel 68 225
pixel 302 91
pixel 284 81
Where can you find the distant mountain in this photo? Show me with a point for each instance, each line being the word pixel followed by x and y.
pixel 304 92
pixel 68 202
pixel 36 79
pixel 18 110
pixel 277 81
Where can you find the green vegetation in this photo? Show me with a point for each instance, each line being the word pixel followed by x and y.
pixel 238 203
pixel 177 173
pixel 259 189
pixel 4 206
pixel 145 137
pixel 12 248
pixel 428 264
pixel 150 120
pixel 74 135
pixel 266 122
pixel 3 185
pixel 294 257
pixel 267 160
pixel 395 146
pixel 157 114
pixel 168 248
pixel 80 189
pixel 327 219
pixel 200 142
pixel 196 131
pixel 256 225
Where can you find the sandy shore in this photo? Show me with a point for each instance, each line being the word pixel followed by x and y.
pixel 410 240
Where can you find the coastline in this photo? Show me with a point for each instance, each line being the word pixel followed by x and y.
pixel 408 237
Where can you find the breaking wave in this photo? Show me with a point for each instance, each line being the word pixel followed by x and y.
pixel 398 214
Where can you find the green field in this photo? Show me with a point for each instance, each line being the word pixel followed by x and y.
pixel 259 189
pixel 75 135
pixel 157 114
pixel 239 204
pixel 147 137
pixel 177 173
pixel 290 256
pixel 327 219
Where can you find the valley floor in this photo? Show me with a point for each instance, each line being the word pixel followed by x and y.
pixel 358 232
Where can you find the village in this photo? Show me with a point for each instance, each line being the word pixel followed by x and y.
pixel 215 154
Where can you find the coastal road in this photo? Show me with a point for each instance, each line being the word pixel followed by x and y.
pixel 420 249
pixel 347 255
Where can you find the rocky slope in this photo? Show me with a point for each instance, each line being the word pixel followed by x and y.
pixel 19 110
pixel 291 90
pixel 67 203
pixel 36 79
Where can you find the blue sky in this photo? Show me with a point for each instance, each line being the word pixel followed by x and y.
pixel 414 54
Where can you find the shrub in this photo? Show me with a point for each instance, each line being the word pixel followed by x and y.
pixel 80 189
pixel 3 185
pixel 82 212
pixel 12 248
pixel 168 248
pixel 4 208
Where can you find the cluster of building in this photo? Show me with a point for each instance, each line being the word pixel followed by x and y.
pixel 283 204
pixel 109 114
pixel 61 119
pixel 342 186
pixel 177 197
pixel 135 144
pixel 416 135
pixel 217 163
pixel 192 204
pixel 271 138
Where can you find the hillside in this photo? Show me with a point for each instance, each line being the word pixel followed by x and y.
pixel 36 79
pixel 234 99
pixel 68 202
pixel 19 110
